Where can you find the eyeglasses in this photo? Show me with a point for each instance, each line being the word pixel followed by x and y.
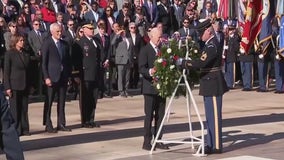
pixel 132 27
pixel 26 6
pixel 46 2
pixel 36 24
pixel 186 22
pixel 1 21
pixel 71 24
pixel 13 26
pixel 108 10
pixel 80 31
pixel 90 28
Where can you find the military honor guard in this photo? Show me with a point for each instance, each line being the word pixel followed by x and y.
pixel 233 48
pixel 212 85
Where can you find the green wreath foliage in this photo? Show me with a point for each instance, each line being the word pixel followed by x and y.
pixel 167 72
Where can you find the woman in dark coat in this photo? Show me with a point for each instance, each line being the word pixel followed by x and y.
pixel 15 82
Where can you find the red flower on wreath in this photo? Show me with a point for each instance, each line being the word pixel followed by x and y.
pixel 175 57
pixel 164 63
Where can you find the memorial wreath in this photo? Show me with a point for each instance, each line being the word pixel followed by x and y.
pixel 167 72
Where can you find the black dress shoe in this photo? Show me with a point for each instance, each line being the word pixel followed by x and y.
pixel 208 150
pixel 279 92
pixel 147 147
pixel 63 128
pixel 162 146
pixel 94 124
pixel 50 130
pixel 87 125
pixel 26 133
pixel 246 89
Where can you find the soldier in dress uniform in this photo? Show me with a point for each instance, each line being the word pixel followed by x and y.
pixel 86 55
pixel 212 85
pixel 233 48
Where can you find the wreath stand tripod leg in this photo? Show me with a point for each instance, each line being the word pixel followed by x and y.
pixel 193 140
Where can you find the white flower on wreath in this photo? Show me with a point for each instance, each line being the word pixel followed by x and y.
pixel 172 67
pixel 160 60
pixel 158 86
pixel 169 50
pixel 195 51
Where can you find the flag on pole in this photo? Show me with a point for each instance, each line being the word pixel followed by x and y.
pixel 228 9
pixel 265 36
pixel 281 37
pixel 252 24
pixel 280 8
pixel 241 11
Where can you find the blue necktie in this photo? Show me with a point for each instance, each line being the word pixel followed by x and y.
pixel 58 45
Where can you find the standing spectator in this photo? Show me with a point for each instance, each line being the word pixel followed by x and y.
pixel 9 141
pixel 48 14
pixel 59 20
pixel 212 86
pixel 214 5
pixel 83 9
pixel 124 17
pixel 93 15
pixel 69 34
pixel 206 12
pixel 136 40
pixel 109 19
pixel 113 5
pixel 123 60
pixel 185 30
pixel 154 105
pixel 56 71
pixel 151 10
pixel 71 14
pixel 3 28
pixel 86 59
pixel 36 38
pixel 105 85
pixel 141 21
pixel 22 26
pixel 12 30
pixel 44 27
pixel 178 11
pixel 27 15
pixel 16 83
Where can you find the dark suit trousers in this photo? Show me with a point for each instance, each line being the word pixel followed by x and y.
pixel 154 107
pixel 88 100
pixel 19 110
pixel 58 88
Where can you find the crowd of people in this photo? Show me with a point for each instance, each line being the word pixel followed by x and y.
pixel 98 45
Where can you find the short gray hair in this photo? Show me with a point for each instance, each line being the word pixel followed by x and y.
pixel 53 26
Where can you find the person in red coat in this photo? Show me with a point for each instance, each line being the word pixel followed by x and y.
pixel 48 15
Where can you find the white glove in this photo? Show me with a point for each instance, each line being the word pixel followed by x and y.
pixel 226 47
pixel 242 51
pixel 277 57
pixel 260 56
pixel 223 56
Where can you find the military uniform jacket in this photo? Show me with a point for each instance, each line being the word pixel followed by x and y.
pixel 212 82
pixel 146 60
pixel 86 59
pixel 233 49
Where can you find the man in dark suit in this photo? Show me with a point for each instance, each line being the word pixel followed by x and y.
pixel 151 10
pixel 167 17
pixel 56 70
pixel 105 83
pixel 86 56
pixel 69 34
pixel 154 105
pixel 185 30
pixel 212 86
pixel 137 42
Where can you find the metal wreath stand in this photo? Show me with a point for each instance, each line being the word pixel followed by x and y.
pixel 189 98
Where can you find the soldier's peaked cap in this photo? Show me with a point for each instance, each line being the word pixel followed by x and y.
pixel 203 25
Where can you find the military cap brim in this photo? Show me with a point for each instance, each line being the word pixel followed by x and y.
pixel 203 25
pixel 87 24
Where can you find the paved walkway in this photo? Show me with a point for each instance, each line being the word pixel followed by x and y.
pixel 253 128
